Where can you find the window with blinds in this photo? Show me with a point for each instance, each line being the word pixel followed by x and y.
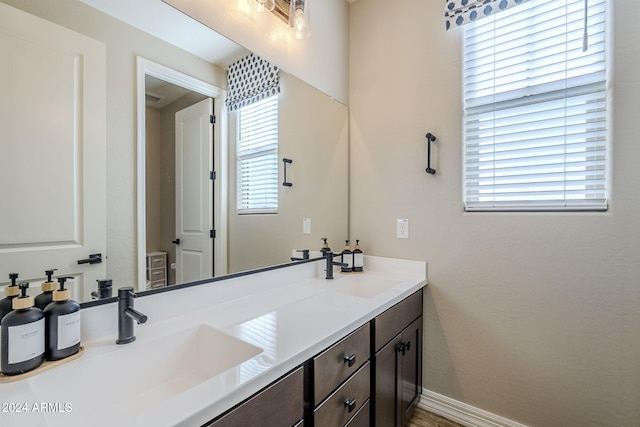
pixel 257 157
pixel 535 102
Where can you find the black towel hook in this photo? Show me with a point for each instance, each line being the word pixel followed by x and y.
pixel 430 139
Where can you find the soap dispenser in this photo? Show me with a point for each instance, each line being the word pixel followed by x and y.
pixel 62 320
pixel 42 300
pixel 358 258
pixel 22 335
pixel 347 259
pixel 10 292
pixel 325 247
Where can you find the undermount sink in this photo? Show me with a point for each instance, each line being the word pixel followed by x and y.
pixel 362 285
pixel 140 375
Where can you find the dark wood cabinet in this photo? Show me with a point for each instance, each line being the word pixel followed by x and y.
pixel 338 409
pixel 338 362
pixel 410 375
pixel 340 381
pixel 371 377
pixel 280 404
pixel 397 363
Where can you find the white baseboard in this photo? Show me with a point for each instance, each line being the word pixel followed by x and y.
pixel 462 413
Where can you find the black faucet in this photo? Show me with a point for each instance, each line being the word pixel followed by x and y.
pixel 104 289
pixel 305 255
pixel 126 315
pixel 330 263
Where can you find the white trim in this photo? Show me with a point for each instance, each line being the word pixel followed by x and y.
pixel 146 67
pixel 462 413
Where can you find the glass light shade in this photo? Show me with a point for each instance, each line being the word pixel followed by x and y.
pixel 299 19
pixel 264 5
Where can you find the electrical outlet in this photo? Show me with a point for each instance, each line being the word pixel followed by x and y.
pixel 402 229
pixel 306 225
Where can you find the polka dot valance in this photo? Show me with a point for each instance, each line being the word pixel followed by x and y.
pixel 250 80
pixel 460 12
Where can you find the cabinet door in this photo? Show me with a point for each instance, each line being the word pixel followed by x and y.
pixel 398 376
pixel 410 378
pixel 386 388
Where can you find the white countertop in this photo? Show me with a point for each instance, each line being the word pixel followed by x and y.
pixel 289 314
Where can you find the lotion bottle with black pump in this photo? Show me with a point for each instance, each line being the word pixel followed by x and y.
pixel 325 247
pixel 347 258
pixel 10 292
pixel 42 300
pixel 22 337
pixel 62 318
pixel 358 258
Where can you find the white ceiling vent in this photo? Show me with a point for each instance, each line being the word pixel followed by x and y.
pixel 152 99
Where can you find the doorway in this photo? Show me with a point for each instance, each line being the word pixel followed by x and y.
pixel 164 95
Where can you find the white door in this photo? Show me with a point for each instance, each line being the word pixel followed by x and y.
pixel 194 192
pixel 52 152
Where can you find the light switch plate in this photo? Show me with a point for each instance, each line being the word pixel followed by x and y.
pixel 402 229
pixel 306 225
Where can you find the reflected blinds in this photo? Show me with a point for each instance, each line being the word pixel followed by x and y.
pixel 257 157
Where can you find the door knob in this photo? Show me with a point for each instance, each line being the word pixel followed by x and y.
pixel 177 241
pixel 93 259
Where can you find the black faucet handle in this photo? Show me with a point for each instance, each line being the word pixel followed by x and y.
pixel 126 292
pixel 305 253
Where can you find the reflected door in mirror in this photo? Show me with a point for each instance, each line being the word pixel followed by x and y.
pixel 194 192
pixel 52 151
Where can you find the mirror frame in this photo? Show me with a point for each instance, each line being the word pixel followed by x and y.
pixel 146 67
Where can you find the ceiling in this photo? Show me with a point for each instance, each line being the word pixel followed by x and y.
pixel 168 24
pixel 160 93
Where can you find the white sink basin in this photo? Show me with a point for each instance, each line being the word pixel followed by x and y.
pixel 142 374
pixel 362 285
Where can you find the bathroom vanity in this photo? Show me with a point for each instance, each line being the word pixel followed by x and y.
pixel 278 347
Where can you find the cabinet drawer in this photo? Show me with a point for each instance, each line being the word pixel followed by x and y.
pixel 156 274
pixel 391 322
pixel 156 261
pixel 360 419
pixel 340 361
pixel 280 404
pixel 345 401
pixel 157 285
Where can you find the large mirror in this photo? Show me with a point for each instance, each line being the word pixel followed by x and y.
pixel 140 157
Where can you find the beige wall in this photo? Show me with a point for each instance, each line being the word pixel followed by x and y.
pixel 534 317
pixel 313 132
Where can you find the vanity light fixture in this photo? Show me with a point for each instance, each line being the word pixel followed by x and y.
pixel 295 13
pixel 299 22
pixel 264 5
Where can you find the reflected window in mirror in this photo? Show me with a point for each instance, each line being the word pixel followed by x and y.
pixel 257 157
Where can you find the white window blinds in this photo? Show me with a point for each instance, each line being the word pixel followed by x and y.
pixel 257 157
pixel 536 108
